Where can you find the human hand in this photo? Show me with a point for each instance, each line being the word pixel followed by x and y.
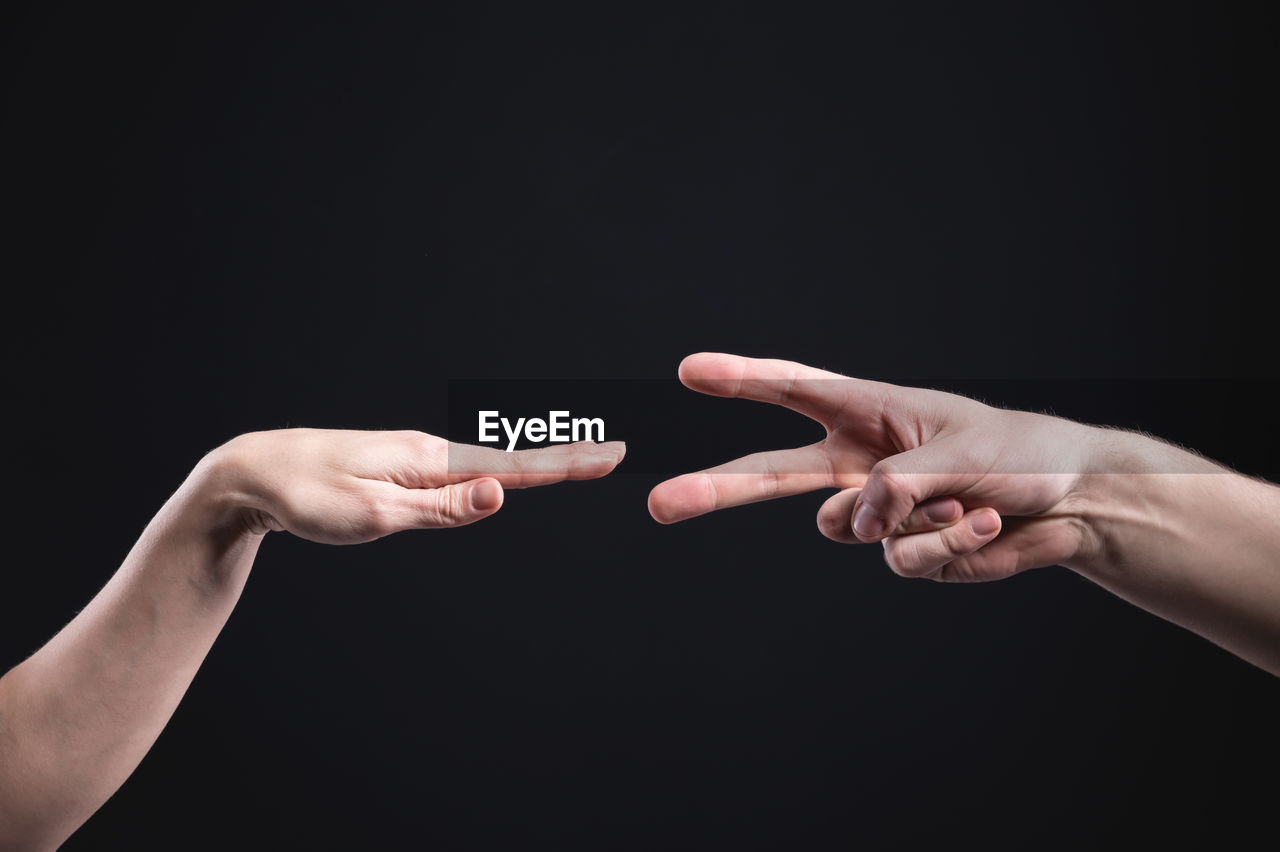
pixel 347 487
pixel 929 474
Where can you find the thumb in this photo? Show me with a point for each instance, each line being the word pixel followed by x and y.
pixel 897 484
pixel 455 505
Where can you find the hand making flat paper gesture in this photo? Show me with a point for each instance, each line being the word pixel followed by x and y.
pixel 78 715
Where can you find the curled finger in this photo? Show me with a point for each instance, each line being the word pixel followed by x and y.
pixel 924 554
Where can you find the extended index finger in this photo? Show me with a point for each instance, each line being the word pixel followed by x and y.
pixel 750 479
pixel 817 394
pixel 540 466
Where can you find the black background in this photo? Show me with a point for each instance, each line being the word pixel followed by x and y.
pixel 223 220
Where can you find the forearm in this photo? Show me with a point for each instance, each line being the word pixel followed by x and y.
pixel 78 716
pixel 1189 541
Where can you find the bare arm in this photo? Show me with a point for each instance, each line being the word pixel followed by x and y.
pixel 1200 549
pixel 78 716
pixel 1166 529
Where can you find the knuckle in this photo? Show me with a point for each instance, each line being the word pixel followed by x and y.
pixel 713 492
pixel 913 522
pixel 451 505
pixel 421 444
pixel 771 483
pixel 428 511
pixel 447 507
pixel 378 516
pixel 956 542
pixel 431 510
pixel 886 470
pixel 895 485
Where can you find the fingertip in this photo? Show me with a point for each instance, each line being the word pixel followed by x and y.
pixel 688 363
pixel 944 510
pixel 683 497
pixel 589 460
pixel 486 495
pixel 656 509
pixel 666 503
pixel 985 523
pixel 702 368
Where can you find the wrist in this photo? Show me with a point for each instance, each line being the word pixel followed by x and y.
pixel 221 493
pixel 202 540
pixel 1133 485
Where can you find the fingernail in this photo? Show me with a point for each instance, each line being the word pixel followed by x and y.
pixel 485 495
pixel 986 523
pixel 866 523
pixel 940 512
pixel 616 447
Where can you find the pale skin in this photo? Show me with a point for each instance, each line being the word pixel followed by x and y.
pixel 956 490
pixel 78 716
